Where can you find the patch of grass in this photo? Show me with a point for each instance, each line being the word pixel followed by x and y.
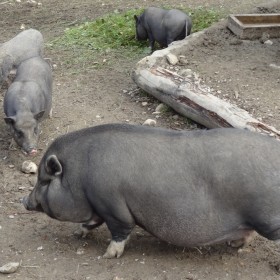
pixel 116 31
pixel 203 18
pixel 112 31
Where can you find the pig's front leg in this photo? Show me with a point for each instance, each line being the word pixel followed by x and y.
pixel 120 235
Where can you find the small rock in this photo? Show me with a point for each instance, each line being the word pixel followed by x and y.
pixel 272 65
pixel 186 72
pixel 175 117
pixel 144 104
pixel 98 116
pixel 268 42
pixel 11 166
pixel 9 268
pixel 183 59
pixel 40 248
pixel 80 251
pixel 31 3
pixel 150 122
pixel 11 216
pixel 243 250
pixel 191 277
pixel 29 167
pixel 161 108
pixel 172 59
pixel 265 37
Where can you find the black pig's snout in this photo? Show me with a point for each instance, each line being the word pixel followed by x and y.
pixel 29 205
pixel 24 201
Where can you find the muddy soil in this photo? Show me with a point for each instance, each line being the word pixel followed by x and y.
pixel 84 96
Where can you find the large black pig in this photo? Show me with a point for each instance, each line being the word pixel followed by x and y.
pixel 190 188
pixel 162 26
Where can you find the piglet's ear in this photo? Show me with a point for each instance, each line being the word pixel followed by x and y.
pixel 10 120
pixel 53 166
pixel 39 115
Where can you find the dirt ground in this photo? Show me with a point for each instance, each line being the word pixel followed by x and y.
pixel 47 249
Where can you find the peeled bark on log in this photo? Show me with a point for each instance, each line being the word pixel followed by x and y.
pixel 26 44
pixel 190 98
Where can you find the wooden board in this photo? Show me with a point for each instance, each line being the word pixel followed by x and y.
pixel 253 26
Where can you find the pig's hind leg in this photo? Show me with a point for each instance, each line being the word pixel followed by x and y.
pixel 88 227
pixel 244 241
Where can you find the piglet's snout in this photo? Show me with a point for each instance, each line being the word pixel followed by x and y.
pixel 33 152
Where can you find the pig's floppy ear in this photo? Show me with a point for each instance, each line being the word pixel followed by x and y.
pixel 39 115
pixel 10 120
pixel 53 166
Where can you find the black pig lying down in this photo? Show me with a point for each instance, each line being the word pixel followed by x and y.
pixel 28 101
pixel 162 26
pixel 189 188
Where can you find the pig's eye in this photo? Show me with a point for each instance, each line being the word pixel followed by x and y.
pixel 44 182
pixel 19 133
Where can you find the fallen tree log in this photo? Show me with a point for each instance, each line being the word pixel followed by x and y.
pixel 191 99
pixel 26 44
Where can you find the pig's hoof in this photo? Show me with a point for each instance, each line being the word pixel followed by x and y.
pixel 242 242
pixel 236 243
pixel 115 249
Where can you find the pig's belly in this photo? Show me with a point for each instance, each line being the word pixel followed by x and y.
pixel 195 229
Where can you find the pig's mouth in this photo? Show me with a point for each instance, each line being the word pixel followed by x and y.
pixel 26 203
pixel 30 152
pixel 33 152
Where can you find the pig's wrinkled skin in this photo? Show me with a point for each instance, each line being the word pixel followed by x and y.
pixel 162 26
pixel 28 101
pixel 189 188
